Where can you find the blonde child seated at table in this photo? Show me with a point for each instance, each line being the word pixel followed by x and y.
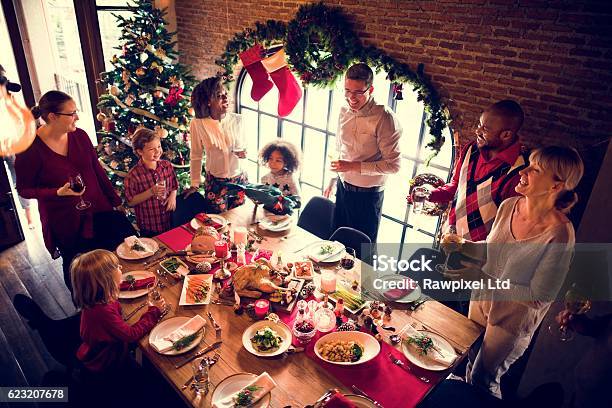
pixel 96 276
pixel 283 160
pixel 151 185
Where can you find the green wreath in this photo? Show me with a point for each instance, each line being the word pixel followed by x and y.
pixel 320 44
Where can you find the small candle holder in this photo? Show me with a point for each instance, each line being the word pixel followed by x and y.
pixel 262 307
pixel 325 320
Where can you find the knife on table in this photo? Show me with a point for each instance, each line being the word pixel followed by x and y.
pixel 215 325
pixel 205 350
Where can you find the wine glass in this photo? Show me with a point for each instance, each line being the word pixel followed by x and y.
pixel 348 260
pixel 77 185
pixel 576 303
pixel 452 244
pixel 154 295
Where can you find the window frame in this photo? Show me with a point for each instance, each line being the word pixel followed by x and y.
pixel 392 103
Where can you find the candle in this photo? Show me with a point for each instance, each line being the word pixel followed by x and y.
pixel 240 236
pixel 261 308
pixel 328 282
pixel 325 320
pixel 220 249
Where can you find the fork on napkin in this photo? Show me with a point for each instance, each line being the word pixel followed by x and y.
pixel 165 344
pixel 133 240
pixel 263 383
pixel 440 356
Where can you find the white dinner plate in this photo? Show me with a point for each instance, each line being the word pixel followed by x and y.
pixel 370 345
pixel 132 294
pixel 232 385
pixel 188 278
pixel 413 355
pixel 168 326
pixel 195 223
pixel 124 252
pixel 276 225
pixel 280 328
pixel 410 297
pixel 313 251
pixel 360 401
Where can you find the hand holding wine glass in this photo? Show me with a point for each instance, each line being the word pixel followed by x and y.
pixel 576 303
pixel 66 191
pixel 78 186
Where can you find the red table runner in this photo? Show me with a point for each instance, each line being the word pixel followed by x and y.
pixel 382 380
pixel 177 238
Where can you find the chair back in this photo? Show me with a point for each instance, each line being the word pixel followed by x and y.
pixel 61 337
pixel 317 217
pixel 355 239
pixel 187 208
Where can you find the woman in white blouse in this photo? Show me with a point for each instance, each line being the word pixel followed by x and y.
pixel 217 133
pixel 529 248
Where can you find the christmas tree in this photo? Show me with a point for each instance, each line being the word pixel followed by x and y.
pixel 146 88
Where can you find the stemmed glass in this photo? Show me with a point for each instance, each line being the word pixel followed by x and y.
pixel 348 260
pixel 576 303
pixel 77 185
pixel 452 244
pixel 154 295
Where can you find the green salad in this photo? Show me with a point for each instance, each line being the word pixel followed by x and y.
pixel 266 340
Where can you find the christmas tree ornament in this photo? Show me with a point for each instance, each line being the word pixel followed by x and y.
pixel 175 95
pixel 114 60
pixel 289 91
pixel 129 100
pixel 114 90
pixel 161 132
pixel 109 125
pixel 114 164
pixel 174 119
pixel 251 59
pixel 157 67
pixel 143 57
pixel 397 92
pixel 158 94
pixel 141 71
pixel 191 112
pixel 101 116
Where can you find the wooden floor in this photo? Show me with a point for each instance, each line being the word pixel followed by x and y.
pixel 28 268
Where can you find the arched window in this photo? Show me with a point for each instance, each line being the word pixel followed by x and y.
pixel 312 127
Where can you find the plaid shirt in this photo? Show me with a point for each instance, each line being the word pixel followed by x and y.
pixel 151 214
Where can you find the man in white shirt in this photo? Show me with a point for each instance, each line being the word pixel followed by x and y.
pixel 368 147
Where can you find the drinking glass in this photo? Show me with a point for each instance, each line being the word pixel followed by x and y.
pixel 419 196
pixel 576 303
pixel 154 295
pixel 348 260
pixel 161 183
pixel 200 376
pixel 77 185
pixel 449 238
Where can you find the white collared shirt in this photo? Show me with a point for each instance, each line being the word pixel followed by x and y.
pixel 219 163
pixel 371 136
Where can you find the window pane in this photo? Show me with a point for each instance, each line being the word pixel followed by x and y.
pixel 251 170
pixel 337 103
pixel 268 130
pixel 308 192
pixel 293 134
pixel 314 143
pixel 381 88
pixel 414 236
pixel 397 190
pixel 110 33
pixel 389 231
pixel 444 158
pixel 245 93
pixel 269 103
pixel 332 154
pixel 410 113
pixel 316 108
pixel 249 123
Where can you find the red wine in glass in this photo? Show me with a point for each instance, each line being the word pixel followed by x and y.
pixel 77 185
pixel 348 260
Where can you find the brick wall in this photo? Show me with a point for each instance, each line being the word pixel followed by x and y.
pixel 554 57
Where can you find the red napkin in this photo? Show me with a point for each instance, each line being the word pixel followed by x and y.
pixel 395 294
pixel 263 253
pixel 138 284
pixel 338 400
pixel 206 220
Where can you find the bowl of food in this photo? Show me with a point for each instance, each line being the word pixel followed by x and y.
pixel 174 266
pixel 347 348
pixel 266 338
pixel 304 331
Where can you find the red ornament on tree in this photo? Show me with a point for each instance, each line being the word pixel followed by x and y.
pixel 174 96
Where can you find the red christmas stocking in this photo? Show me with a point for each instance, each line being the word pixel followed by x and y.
pixel 289 90
pixel 251 59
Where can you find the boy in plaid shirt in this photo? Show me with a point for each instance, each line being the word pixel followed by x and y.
pixel 151 185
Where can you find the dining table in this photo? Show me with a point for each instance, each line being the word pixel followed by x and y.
pixel 301 377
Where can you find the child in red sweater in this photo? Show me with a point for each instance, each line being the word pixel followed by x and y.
pixel 96 276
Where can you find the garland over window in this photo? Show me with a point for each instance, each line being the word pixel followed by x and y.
pixel 321 44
